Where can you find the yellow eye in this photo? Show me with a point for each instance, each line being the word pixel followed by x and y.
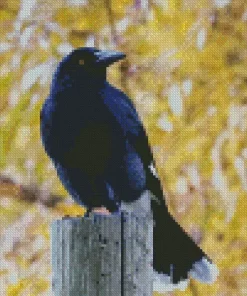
pixel 81 62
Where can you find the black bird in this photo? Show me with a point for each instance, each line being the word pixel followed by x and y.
pixel 97 142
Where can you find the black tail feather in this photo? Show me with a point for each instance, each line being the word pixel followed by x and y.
pixel 174 251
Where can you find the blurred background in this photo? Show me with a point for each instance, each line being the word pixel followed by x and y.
pixel 186 72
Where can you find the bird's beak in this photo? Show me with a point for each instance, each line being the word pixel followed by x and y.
pixel 109 57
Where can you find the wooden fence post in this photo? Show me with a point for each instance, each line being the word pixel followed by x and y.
pixel 103 255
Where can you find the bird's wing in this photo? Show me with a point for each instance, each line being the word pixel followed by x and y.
pixel 124 111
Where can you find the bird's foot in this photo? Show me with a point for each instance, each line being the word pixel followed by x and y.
pixel 101 211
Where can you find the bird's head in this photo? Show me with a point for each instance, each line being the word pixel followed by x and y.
pixel 87 63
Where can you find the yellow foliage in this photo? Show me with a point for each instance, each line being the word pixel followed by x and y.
pixel 35 285
pixel 6 15
pixel 16 289
pixel 119 7
pixel 71 210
